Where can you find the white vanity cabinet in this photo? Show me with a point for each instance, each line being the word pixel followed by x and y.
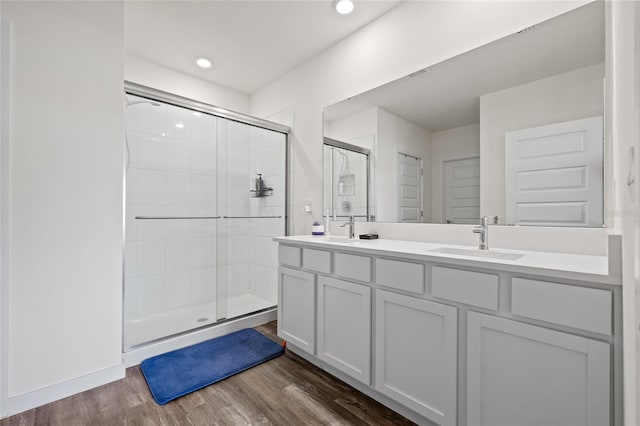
pixel 416 354
pixel 451 341
pixel 297 308
pixel 520 374
pixel 344 327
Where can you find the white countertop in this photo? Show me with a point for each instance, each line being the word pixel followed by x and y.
pixel 558 265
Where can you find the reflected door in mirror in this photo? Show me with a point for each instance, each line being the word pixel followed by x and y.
pixel 553 174
pixel 409 188
pixel 462 190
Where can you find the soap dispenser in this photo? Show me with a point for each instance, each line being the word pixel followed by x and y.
pixel 317 228
pixel 259 183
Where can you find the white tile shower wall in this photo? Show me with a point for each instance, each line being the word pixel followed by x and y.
pixel 266 284
pixel 250 256
pixel 273 156
pixel 172 172
pixel 176 294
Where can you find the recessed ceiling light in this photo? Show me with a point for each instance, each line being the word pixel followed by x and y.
pixel 343 7
pixel 179 125
pixel 203 62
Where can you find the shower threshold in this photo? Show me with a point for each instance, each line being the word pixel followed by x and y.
pixel 143 329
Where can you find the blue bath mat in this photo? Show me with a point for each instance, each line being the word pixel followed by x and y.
pixel 186 370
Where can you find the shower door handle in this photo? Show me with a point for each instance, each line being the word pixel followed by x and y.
pixel 177 217
pixel 251 217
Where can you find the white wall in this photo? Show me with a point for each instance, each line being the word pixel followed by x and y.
pixel 5 55
pixel 396 135
pixel 450 144
pixel 65 279
pixel 141 71
pixel 354 126
pixel 411 36
pixel 563 97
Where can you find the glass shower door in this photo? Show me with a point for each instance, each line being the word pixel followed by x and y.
pixel 171 221
pixel 251 190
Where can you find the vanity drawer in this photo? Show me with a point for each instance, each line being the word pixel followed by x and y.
pixel 401 275
pixel 352 266
pixel 473 288
pixel 289 255
pixel 316 260
pixel 580 307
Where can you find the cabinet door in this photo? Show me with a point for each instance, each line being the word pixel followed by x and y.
pixel 344 327
pixel 296 308
pixel 519 374
pixel 416 354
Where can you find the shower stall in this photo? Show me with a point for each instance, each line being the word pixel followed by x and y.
pixel 205 195
pixel 346 181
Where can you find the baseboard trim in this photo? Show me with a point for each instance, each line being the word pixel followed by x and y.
pixel 139 354
pixel 20 403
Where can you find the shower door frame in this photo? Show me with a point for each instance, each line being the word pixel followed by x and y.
pixel 152 94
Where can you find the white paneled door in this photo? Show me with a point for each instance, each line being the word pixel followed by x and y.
pixel 462 190
pixel 409 188
pixel 553 174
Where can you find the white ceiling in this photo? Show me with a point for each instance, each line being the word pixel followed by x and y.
pixel 447 95
pixel 251 43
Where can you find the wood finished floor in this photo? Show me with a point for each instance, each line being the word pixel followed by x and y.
pixel 285 391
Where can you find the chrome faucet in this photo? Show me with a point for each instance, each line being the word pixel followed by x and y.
pixel 352 225
pixel 483 230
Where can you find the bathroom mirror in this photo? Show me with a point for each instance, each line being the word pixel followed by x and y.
pixel 512 129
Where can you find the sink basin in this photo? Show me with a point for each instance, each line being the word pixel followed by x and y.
pixel 341 240
pixel 331 239
pixel 485 254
